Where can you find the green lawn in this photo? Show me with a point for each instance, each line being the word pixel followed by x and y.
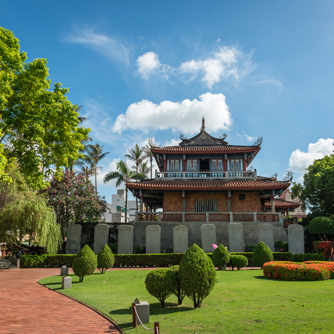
pixel 241 302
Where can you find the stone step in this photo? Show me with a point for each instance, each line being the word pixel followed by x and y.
pixel 5 264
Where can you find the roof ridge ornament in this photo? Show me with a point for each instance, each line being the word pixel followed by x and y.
pixel 203 124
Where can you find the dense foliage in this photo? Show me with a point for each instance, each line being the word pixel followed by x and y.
pixel 39 126
pixel 74 200
pixel 176 283
pixel 25 214
pixel 262 254
pixel 84 263
pixel 105 259
pixel 323 226
pixel 159 284
pixel 197 273
pixel 307 271
pixel 220 257
pixel 238 261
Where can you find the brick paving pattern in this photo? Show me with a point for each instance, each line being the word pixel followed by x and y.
pixel 27 307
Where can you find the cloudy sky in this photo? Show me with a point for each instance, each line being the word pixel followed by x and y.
pixel 152 69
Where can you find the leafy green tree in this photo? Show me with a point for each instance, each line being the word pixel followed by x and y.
pixel 220 257
pixel 84 263
pixel 322 226
pixel 262 254
pixel 94 156
pixel 197 274
pixel 123 174
pixel 317 192
pixel 74 200
pixel 23 213
pixel 105 259
pixel 39 126
pixel 176 283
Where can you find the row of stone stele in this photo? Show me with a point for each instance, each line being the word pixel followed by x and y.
pixel 86 262
pixel 195 277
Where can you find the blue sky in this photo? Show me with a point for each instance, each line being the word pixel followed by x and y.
pixel 152 69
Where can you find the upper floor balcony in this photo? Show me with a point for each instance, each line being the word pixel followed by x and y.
pixel 213 175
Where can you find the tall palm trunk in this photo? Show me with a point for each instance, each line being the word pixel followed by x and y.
pixel 95 179
pixel 126 204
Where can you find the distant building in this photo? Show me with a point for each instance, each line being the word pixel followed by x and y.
pixel 117 208
pixel 297 212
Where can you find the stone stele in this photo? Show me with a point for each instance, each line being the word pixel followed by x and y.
pixel 236 237
pixel 125 239
pixel 153 239
pixel 73 243
pixel 209 237
pixel 66 282
pixel 266 235
pixel 101 237
pixel 296 239
pixel 63 271
pixel 143 310
pixel 180 239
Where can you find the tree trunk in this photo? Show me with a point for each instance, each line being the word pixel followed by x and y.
pixel 95 179
pixel 126 204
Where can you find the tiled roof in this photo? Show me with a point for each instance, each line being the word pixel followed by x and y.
pixel 203 149
pixel 281 203
pixel 259 184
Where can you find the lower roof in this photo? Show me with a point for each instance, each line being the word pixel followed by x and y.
pixel 203 185
pixel 282 204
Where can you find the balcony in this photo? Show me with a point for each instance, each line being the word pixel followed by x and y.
pixel 210 217
pixel 215 175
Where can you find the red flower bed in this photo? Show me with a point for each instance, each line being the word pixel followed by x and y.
pixel 305 271
pixel 324 247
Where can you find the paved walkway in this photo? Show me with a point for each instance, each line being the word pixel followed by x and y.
pixel 27 307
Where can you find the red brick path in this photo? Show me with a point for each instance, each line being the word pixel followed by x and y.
pixel 27 307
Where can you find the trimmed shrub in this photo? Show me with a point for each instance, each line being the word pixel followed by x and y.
pixel 282 256
pixel 262 254
pixel 238 261
pixel 220 257
pixel 159 284
pixel 105 259
pixel 292 271
pixel 198 274
pixel 84 263
pixel 176 283
pixel 46 260
pixel 324 247
pixel 308 257
pixel 321 225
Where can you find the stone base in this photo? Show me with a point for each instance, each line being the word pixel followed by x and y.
pixel 143 310
pixel 66 282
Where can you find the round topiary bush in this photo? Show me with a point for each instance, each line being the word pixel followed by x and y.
pixel 84 263
pixel 238 261
pixel 176 283
pixel 197 273
pixel 262 254
pixel 220 257
pixel 159 284
pixel 105 259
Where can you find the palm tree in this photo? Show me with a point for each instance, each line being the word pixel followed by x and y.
pixel 137 155
pixel 149 155
pixel 94 156
pixel 123 174
pixel 144 169
pixel 86 170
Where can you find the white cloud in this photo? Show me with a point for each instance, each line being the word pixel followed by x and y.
pixel 172 142
pixel 228 61
pixel 111 48
pixel 148 63
pixel 249 138
pixel 300 160
pixel 184 116
pixel 270 81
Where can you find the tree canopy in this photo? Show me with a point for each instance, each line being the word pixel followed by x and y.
pixel 317 192
pixel 24 213
pixel 38 127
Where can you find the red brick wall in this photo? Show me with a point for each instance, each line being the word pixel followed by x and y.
pixel 173 201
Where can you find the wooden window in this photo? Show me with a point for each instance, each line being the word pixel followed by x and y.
pixel 174 164
pixel 234 164
pixel 192 164
pixel 217 164
pixel 210 205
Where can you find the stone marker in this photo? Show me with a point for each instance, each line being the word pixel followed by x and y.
pixel 66 282
pixel 296 239
pixel 73 244
pixel 236 237
pixel 125 239
pixel 153 239
pixel 209 237
pixel 101 237
pixel 63 271
pixel 143 310
pixel 266 235
pixel 180 239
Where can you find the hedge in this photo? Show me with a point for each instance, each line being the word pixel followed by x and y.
pixel 293 271
pixel 150 260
